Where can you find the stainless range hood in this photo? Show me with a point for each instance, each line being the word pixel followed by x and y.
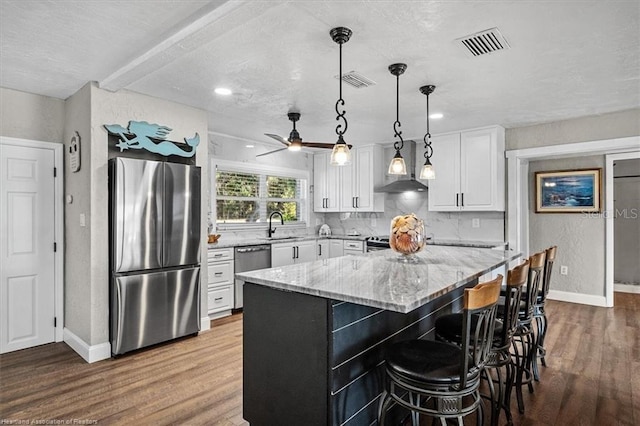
pixel 406 183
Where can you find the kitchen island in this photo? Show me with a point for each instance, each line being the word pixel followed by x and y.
pixel 315 333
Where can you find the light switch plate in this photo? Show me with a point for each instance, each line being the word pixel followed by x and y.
pixel 475 222
pixel 83 220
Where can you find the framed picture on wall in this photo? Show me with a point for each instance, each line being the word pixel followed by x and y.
pixel 568 191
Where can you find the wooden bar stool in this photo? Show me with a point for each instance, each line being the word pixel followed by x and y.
pixel 448 329
pixel 523 343
pixel 539 314
pixel 440 379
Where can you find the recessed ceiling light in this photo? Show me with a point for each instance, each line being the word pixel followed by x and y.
pixel 223 91
pixel 436 116
pixel 249 146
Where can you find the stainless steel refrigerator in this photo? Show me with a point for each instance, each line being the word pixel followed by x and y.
pixel 155 252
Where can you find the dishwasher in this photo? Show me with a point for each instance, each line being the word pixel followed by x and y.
pixel 249 258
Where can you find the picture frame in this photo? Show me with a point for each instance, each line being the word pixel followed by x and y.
pixel 568 191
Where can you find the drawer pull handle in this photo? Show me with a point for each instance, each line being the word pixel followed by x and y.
pixel 217 274
pixel 217 299
pixel 218 255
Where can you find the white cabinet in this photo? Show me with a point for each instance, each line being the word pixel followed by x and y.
pixel 322 247
pixel 336 248
pixel 283 254
pixel 349 188
pixel 469 171
pixel 326 184
pixel 352 247
pixel 220 282
pixel 359 179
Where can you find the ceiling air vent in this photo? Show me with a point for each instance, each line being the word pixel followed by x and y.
pixel 354 79
pixel 483 42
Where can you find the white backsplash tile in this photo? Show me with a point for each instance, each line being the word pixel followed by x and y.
pixel 439 225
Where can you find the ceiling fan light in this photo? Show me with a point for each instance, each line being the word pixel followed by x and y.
pixel 295 146
pixel 340 154
pixel 397 166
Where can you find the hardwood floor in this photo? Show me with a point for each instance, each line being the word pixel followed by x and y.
pixel 592 377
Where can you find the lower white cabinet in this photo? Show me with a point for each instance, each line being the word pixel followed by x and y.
pixel 283 254
pixel 323 249
pixel 220 282
pixel 336 248
pixel 351 247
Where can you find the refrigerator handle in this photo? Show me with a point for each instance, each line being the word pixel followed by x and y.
pixel 117 340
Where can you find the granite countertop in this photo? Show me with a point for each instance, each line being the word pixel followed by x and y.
pixel 236 242
pixel 378 279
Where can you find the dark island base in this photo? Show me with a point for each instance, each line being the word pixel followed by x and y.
pixel 314 361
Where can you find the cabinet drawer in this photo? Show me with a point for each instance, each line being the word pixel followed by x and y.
pixel 220 299
pixel 354 245
pixel 213 255
pixel 220 272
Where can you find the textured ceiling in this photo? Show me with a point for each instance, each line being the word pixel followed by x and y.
pixel 567 59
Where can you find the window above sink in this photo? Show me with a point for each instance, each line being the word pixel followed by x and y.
pixel 243 195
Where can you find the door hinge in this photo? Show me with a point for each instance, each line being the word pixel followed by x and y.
pixel 55 247
pixel 55 172
pixel 55 321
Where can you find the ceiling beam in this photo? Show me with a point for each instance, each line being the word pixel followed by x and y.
pixel 207 24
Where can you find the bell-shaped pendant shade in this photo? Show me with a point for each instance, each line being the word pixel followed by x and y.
pixel 340 154
pixel 397 166
pixel 427 172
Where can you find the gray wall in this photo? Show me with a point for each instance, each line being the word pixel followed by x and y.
pixel 580 240
pixel 579 237
pixel 28 116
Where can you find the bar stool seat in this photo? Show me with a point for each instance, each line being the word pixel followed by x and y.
pixel 441 367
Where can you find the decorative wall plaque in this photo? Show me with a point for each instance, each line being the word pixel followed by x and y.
pixel 150 137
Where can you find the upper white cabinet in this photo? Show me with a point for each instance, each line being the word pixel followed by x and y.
pixel 352 185
pixel 326 179
pixel 469 171
pixel 359 179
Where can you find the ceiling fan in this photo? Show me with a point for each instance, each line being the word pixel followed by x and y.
pixel 294 142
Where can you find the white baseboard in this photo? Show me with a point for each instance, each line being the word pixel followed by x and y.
pixel 583 299
pixel 205 324
pixel 626 288
pixel 88 353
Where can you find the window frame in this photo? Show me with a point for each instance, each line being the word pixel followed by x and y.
pixel 261 169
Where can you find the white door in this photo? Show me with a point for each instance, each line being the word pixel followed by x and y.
pixel 27 307
pixel 478 169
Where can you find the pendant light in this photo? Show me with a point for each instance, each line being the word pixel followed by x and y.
pixel 427 171
pixel 340 155
pixel 397 166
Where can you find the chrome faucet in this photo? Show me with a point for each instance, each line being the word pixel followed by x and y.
pixel 271 231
